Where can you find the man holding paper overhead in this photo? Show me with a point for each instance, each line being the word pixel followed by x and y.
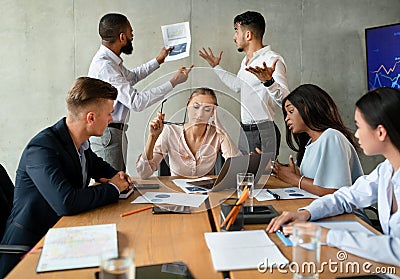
pixel 57 165
pixel 116 37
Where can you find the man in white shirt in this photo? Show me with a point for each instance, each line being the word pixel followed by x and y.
pixel 261 93
pixel 116 33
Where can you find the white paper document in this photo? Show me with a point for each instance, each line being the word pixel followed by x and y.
pixel 77 247
pixel 243 250
pixel 171 198
pixel 178 36
pixel 190 188
pixel 350 225
pixel 353 226
pixel 285 194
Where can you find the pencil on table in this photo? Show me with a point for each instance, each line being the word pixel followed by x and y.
pixel 136 211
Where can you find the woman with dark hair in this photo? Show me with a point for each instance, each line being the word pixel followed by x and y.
pixel 193 147
pixel 378 133
pixel 326 150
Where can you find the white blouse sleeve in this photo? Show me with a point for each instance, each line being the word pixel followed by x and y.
pixel 380 248
pixel 363 193
pixel 228 147
pixel 145 168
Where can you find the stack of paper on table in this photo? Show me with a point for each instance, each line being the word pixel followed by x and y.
pixel 284 193
pixel 77 247
pixel 243 250
pixel 171 198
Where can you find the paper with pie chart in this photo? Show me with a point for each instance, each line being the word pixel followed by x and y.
pixel 171 198
pixel 285 194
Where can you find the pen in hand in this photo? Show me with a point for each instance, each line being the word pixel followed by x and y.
pixel 275 195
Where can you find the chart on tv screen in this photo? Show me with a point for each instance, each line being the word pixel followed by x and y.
pixel 383 56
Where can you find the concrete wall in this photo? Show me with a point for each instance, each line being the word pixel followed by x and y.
pixel 46 45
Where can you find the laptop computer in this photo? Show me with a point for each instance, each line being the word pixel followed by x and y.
pixel 256 164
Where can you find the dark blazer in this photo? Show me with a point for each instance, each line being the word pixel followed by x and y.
pixel 6 198
pixel 49 185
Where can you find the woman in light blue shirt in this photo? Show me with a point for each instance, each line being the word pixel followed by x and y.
pixel 378 133
pixel 326 153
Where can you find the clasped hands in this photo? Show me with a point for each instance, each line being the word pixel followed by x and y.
pixel 121 180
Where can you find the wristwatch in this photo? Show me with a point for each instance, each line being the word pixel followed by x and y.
pixel 269 82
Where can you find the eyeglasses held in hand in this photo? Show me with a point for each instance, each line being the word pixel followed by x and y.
pixel 173 123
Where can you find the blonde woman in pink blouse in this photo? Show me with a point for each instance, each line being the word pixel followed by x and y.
pixel 193 147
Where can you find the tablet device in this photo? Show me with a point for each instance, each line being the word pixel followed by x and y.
pixel 147 186
pixel 206 183
pixel 126 193
pixel 171 209
pixel 173 270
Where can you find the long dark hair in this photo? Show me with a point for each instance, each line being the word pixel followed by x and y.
pixel 319 112
pixel 381 107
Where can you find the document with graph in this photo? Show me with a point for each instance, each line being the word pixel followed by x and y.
pixel 178 36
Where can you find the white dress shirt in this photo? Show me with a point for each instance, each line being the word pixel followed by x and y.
pixel 259 103
pixel 107 66
pixel 379 186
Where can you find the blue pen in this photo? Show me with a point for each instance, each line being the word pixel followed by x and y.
pixel 275 195
pixel 284 239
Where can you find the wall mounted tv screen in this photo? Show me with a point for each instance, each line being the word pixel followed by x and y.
pixel 383 56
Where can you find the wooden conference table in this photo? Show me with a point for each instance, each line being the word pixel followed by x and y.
pixel 173 237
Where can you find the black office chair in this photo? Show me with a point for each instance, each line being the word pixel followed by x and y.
pixel 370 216
pixel 163 167
pixel 219 163
pixel 6 203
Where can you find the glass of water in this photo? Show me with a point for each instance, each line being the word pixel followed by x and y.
pixel 306 250
pixel 245 180
pixel 121 266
